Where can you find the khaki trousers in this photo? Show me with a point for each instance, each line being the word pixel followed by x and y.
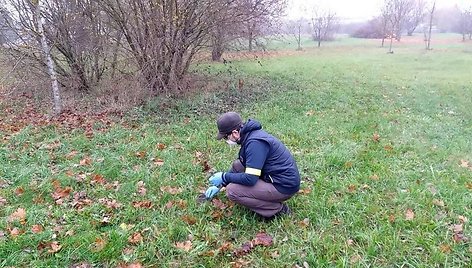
pixel 262 198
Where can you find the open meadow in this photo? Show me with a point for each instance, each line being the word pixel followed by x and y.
pixel 383 143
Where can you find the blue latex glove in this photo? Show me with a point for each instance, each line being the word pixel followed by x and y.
pixel 211 191
pixel 216 179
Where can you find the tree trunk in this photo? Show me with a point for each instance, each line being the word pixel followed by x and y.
pixel 217 46
pixel 250 39
pixel 299 40
pixel 430 26
pixel 52 73
pixel 115 55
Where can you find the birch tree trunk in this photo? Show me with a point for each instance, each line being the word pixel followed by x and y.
pixel 47 54
pixel 428 46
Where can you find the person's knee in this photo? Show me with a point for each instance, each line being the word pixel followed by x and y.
pixel 232 193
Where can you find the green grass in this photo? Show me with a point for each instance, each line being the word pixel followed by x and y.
pixel 325 104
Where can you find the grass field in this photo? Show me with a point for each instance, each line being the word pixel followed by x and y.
pixel 382 142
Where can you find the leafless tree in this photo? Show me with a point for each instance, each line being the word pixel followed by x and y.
pixel 415 16
pixel 227 27
pixel 262 16
pixel 430 27
pixel 49 62
pixel 75 31
pixel 323 25
pixel 385 22
pixel 395 12
pixel 296 29
pixel 465 24
pixel 162 36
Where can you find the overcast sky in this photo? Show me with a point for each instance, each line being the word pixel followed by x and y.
pixel 354 9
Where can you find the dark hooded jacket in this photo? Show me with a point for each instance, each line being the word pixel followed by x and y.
pixel 264 157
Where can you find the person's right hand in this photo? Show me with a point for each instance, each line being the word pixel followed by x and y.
pixel 211 192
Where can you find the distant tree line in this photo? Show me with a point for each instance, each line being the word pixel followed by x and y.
pixel 400 17
pixel 91 40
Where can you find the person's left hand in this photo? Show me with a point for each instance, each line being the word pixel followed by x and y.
pixel 211 191
pixel 216 179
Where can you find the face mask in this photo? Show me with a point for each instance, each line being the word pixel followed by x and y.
pixel 231 143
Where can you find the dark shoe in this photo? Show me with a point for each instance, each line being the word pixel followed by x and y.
pixel 284 211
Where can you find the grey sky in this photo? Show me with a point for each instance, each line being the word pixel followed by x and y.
pixel 352 9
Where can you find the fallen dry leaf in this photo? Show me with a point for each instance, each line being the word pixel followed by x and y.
pixel 71 155
pixel 226 246
pixel 438 202
pixel 457 228
pixel 15 232
pixel 304 191
pixel 142 204
pixel 161 146
pixel 81 265
pixel 218 203
pixel 85 161
pixel 19 191
pixel 462 219
pixel 60 193
pixel 141 189
pixel 445 248
pixel 244 249
pixel 310 113
pixel 99 244
pixel 171 190
pixel 374 177
pixel 240 263
pixel 348 164
pixel 3 201
pixel 80 200
pixel 135 238
pixel 460 237
pixel 134 265
pixel 18 215
pixel 305 223
pixel 263 239
pixel 186 245
pixel 468 185
pixel 376 137
pixel 36 229
pixel 391 218
pixel 409 214
pixel 352 188
pixel 189 219
pixel 141 154
pixel 109 203
pixel 97 179
pixel 54 247
pixel 169 205
pixel 388 148
pixel 205 166
pixel 158 162
pixel 355 258
pixel 198 155
pixel 464 163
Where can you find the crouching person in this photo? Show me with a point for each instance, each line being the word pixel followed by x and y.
pixel 265 173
